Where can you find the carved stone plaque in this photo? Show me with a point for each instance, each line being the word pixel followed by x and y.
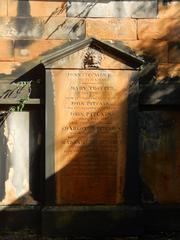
pixel 90 135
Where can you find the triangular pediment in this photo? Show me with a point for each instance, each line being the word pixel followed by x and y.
pixel 88 53
pixel 92 54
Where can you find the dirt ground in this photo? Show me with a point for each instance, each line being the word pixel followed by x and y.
pixel 160 236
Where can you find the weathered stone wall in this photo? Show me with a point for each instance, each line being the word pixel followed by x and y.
pixel 29 28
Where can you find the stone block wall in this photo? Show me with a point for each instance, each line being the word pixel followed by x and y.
pixel 151 28
pixel 29 28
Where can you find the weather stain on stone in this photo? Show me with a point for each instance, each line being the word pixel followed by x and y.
pixel 28 27
pixel 92 58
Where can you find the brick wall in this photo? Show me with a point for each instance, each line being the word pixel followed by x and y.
pixel 30 28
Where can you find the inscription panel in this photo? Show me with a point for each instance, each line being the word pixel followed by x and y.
pixel 90 135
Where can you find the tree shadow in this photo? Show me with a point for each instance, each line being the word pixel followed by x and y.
pixel 164 93
pixel 130 188
pixel 98 155
pixel 130 180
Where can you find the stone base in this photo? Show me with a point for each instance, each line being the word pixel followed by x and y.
pixel 161 218
pixel 89 221
pixel 92 221
pixel 26 219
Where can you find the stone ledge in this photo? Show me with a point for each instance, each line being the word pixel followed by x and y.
pixel 92 221
pixel 109 222
pixel 19 218
pixel 161 218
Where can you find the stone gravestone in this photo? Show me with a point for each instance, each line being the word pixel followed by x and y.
pixel 91 89
pixel 21 140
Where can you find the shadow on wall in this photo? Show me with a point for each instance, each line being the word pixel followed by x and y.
pixel 37 179
pixel 131 176
pixel 159 140
pixel 93 150
pixel 92 184
pixel 153 36
pixel 167 30
pixel 25 25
